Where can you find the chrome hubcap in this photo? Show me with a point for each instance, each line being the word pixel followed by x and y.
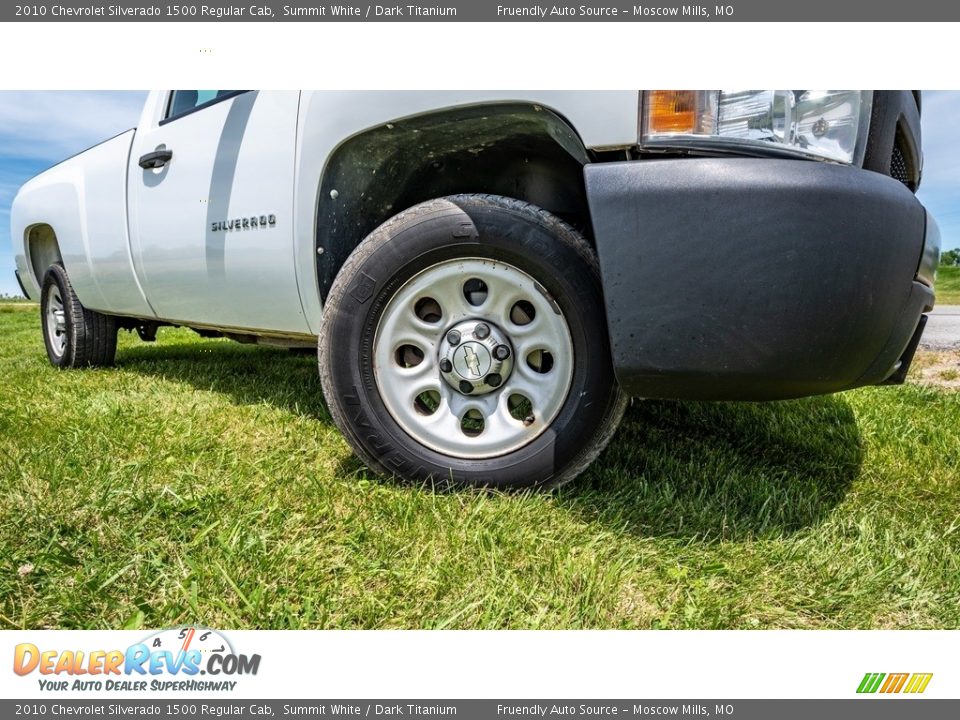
pixel 473 358
pixel 56 321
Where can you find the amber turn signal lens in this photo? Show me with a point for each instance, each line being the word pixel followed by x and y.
pixel 671 111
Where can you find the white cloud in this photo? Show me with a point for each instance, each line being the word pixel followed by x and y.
pixel 51 126
pixel 940 187
pixel 941 144
pixel 38 129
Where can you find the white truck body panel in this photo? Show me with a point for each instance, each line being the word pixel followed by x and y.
pixel 142 243
pixel 80 199
pixel 231 160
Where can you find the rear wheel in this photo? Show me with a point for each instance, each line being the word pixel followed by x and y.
pixel 73 335
pixel 464 343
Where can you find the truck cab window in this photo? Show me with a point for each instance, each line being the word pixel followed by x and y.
pixel 183 102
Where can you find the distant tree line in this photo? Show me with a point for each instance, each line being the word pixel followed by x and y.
pixel 950 257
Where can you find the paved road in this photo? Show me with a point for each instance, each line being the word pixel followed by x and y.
pixel 943 328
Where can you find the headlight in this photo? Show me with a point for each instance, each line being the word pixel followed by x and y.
pixel 827 124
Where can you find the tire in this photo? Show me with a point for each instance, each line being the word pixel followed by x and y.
pixel 513 252
pixel 74 336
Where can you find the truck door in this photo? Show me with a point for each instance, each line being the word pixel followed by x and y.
pixel 211 208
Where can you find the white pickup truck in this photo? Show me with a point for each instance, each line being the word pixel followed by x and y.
pixel 490 274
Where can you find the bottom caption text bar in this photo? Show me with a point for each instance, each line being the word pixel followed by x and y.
pixel 873 708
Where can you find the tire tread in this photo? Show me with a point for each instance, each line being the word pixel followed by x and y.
pixel 91 337
pixel 384 234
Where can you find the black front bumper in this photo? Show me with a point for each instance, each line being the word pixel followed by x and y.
pixel 738 279
pixel 23 290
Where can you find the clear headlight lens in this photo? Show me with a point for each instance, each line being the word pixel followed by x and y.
pixel 827 124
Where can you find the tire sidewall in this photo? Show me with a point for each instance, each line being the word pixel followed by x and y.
pixel 547 250
pixel 55 277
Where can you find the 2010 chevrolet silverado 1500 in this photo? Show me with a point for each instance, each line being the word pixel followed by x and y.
pixel 490 274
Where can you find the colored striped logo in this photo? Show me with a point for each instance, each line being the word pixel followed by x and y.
pixel 894 683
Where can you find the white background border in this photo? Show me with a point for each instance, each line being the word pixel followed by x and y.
pixel 582 664
pixel 544 664
pixel 127 56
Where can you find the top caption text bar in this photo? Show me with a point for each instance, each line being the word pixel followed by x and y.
pixel 481 11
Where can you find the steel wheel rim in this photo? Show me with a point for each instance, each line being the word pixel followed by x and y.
pixel 56 322
pixel 505 424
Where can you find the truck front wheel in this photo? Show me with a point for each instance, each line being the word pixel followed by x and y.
pixel 73 335
pixel 464 343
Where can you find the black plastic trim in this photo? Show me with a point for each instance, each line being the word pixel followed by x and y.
pixel 23 290
pixel 755 279
pixel 380 171
pixel 899 375
pixel 894 120
pixel 156 159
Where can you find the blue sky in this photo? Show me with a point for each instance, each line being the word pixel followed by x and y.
pixel 38 129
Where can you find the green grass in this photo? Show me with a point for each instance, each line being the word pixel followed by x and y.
pixel 202 481
pixel 948 285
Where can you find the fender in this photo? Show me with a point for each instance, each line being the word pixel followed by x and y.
pixel 329 121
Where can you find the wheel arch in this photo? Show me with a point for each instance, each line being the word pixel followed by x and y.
pixel 43 249
pixel 517 149
pixel 48 224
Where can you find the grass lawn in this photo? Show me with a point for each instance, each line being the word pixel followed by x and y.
pixel 948 285
pixel 202 481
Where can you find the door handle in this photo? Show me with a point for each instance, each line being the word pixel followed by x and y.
pixel 155 159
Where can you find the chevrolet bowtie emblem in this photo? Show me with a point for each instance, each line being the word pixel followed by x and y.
pixel 473 362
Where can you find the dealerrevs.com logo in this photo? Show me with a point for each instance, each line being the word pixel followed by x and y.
pixel 180 659
pixel 892 683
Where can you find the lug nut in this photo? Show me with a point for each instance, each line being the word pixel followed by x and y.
pixel 453 337
pixel 528 420
pixel 494 379
pixel 481 331
pixel 501 352
pixel 445 365
pixel 465 387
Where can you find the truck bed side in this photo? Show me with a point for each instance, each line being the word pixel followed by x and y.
pixel 77 212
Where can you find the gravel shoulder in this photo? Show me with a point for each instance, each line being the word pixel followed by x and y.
pixel 943 328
